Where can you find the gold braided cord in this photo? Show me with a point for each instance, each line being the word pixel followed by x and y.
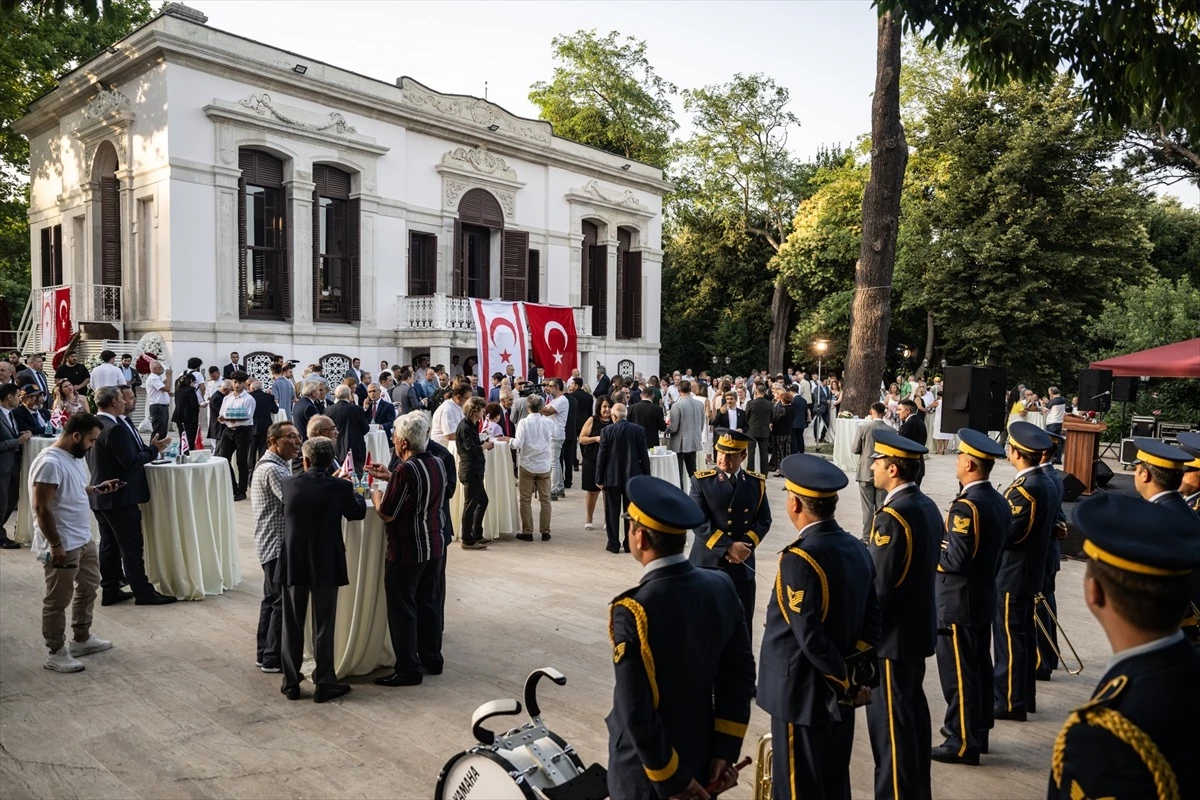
pixel 1058 754
pixel 812 562
pixel 1166 785
pixel 779 591
pixel 643 632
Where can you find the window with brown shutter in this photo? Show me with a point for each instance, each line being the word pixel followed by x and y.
pixel 335 257
pixel 533 286
pixel 599 289
pixel 52 256
pixel 633 291
pixel 514 266
pixel 422 264
pixel 460 276
pixel 110 232
pixel 263 273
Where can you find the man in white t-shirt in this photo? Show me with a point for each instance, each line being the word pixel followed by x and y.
pixel 107 373
pixel 158 398
pixel 558 408
pixel 62 540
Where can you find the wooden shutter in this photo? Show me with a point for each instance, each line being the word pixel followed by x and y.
pixel 633 287
pixel 56 263
pixel 241 231
pixel 316 254
pixel 416 265
pixel 600 290
pixel 585 274
pixel 47 274
pixel 622 264
pixel 110 231
pixel 351 285
pixel 514 265
pixel 460 261
pixel 533 286
pixel 429 259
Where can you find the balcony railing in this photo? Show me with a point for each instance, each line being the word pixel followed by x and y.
pixel 89 302
pixel 438 312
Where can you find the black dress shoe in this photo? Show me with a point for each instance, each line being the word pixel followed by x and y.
pixel 525 537
pixel 112 598
pixel 612 548
pixel 983 746
pixel 545 537
pixel 324 694
pixel 291 692
pixel 432 669
pixel 9 544
pixel 156 599
pixel 400 679
pixel 1018 715
pixel 237 498
pixel 1042 675
pixel 949 755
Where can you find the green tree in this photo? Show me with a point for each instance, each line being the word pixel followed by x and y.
pixel 604 93
pixel 736 167
pixel 1161 312
pixel 1019 229
pixel 40 41
pixel 1175 233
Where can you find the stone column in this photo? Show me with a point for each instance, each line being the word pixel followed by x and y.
pixel 300 246
pixel 225 185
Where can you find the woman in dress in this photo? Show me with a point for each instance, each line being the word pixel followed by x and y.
pixel 782 416
pixel 1016 407
pixel 941 441
pixel 67 401
pixel 892 401
pixel 589 442
pixel 187 408
pixel 835 386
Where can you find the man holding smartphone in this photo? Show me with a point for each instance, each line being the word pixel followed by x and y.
pixel 62 539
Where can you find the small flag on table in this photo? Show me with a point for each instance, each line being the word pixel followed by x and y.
pixel 183 446
pixel 367 463
pixel 348 464
pixel 199 445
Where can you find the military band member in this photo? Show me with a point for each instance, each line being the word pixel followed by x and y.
pixel 736 516
pixel 681 653
pixel 905 547
pixel 1046 611
pixel 1137 737
pixel 1159 472
pixel 966 599
pixel 824 610
pixel 1190 487
pixel 1031 499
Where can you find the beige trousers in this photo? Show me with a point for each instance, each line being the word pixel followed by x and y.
pixel 527 482
pixel 75 587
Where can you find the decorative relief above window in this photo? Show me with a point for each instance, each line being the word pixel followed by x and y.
pixel 262 105
pixel 473 111
pixel 106 119
pixel 108 101
pixel 466 168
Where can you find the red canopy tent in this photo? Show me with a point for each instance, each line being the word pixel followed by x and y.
pixel 1179 360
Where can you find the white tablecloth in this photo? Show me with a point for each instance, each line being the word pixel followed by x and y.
pixel 191 537
pixel 23 532
pixel 844 431
pixel 361 643
pixel 379 447
pixel 503 513
pixel 666 466
pixel 282 415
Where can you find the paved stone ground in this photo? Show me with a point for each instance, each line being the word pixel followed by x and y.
pixel 177 708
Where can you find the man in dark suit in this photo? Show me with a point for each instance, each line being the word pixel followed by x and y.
pixel 379 411
pixel 265 409
pixel 308 405
pixel 603 387
pixel 800 420
pixel 353 371
pixel 912 427
pixel 232 367
pixel 650 417
pixel 584 408
pixel 352 427
pixel 729 416
pixel 11 441
pixel 682 658
pixel 31 415
pixel 758 427
pixel 570 445
pixel 863 447
pixel 119 453
pixel 623 455
pixel 314 565
pixel 33 373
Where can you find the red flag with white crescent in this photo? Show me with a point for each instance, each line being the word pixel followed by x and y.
pixel 555 344
pixel 500 337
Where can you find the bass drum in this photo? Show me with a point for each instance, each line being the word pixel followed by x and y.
pixel 481 774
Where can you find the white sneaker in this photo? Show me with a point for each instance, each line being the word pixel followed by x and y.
pixel 92 645
pixel 587 526
pixel 63 661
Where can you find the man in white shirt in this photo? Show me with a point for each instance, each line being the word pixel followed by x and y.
pixel 237 415
pixel 534 440
pixel 107 373
pixel 557 409
pixel 58 484
pixel 449 414
pixel 158 398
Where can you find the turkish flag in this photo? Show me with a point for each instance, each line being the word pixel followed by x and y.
pixel 500 337
pixel 555 345
pixel 62 316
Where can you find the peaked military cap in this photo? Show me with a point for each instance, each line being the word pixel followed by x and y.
pixel 890 443
pixel 811 476
pixel 1028 437
pixel 30 389
pixel 731 441
pixel 1130 534
pixel 661 506
pixel 1160 454
pixel 980 445
pixel 1190 443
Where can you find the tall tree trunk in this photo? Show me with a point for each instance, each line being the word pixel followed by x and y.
pixel 927 362
pixel 871 310
pixel 782 306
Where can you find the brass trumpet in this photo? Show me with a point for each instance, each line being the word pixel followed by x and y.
pixel 1041 598
pixel 762 772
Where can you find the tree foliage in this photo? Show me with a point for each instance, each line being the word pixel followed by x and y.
pixel 604 93
pixel 1175 234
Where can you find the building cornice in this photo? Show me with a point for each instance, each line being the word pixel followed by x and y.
pixel 252 113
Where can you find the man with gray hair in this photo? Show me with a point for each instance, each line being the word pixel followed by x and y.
pixel 266 499
pixel 623 455
pixel 533 440
pixel 314 565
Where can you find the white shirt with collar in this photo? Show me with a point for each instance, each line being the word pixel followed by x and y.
pixel 1160 495
pixel 665 561
pixel 106 374
pixel 888 497
pixel 963 490
pixel 1142 649
pixel 1028 470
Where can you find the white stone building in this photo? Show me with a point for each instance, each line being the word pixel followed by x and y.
pixel 230 195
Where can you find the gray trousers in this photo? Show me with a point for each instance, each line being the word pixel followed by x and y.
pixel 872 501
pixel 159 417
pixel 295 610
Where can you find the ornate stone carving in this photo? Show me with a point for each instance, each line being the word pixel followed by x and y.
pixel 473 110
pixel 480 160
pixel 627 199
pixel 105 103
pixel 508 203
pixel 454 192
pixel 118 143
pixel 262 105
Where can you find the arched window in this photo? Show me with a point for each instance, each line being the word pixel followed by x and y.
pixel 335 247
pixel 593 280
pixel 625 368
pixel 264 282
pixel 334 367
pixel 629 286
pixel 479 214
pixel 104 169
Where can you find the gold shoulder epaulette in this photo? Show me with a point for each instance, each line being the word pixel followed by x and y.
pixel 706 473
pixel 1017 482
pixel 758 475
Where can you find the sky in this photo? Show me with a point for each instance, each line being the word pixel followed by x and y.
pixel 823 51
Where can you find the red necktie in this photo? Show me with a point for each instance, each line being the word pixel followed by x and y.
pixel 373 411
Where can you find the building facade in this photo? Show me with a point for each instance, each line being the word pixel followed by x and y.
pixel 229 195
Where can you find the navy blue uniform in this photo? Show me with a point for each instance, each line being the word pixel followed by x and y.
pixel 824 610
pixel 1033 502
pixel 735 510
pixel 966 603
pixel 904 546
pixel 684 680
pixel 1047 659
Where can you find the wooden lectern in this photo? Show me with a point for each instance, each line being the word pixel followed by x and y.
pixel 1082 449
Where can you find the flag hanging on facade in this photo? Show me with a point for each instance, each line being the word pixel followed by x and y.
pixel 555 344
pixel 500 337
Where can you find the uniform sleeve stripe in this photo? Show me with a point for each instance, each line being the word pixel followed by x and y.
pixel 643 632
pixel 712 540
pixel 735 729
pixel 754 537
pixel 908 549
pixel 664 774
pixel 779 592
pixel 812 562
